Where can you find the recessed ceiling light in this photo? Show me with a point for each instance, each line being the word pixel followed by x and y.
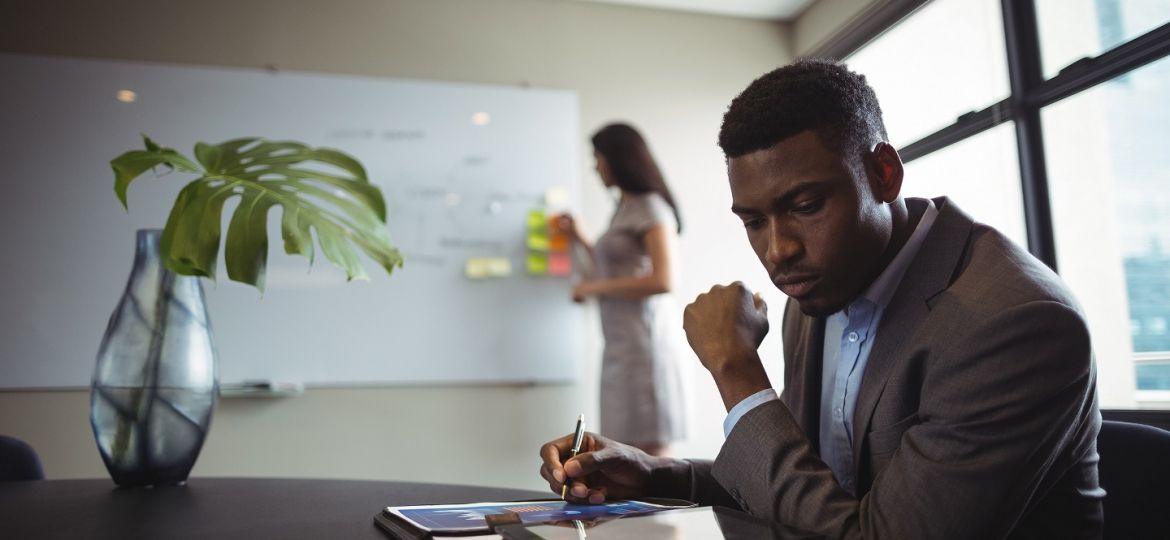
pixel 127 96
pixel 481 119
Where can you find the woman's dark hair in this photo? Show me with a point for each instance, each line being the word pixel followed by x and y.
pixel 630 163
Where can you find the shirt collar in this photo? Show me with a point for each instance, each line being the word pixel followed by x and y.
pixel 882 289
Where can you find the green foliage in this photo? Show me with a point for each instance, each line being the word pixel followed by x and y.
pixel 344 208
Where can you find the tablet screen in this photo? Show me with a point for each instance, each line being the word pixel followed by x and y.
pixel 470 517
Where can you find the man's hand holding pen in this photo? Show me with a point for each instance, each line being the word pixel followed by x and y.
pixel 604 470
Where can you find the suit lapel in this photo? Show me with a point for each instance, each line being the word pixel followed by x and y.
pixel 901 318
pixel 811 346
pixel 802 369
pixel 929 273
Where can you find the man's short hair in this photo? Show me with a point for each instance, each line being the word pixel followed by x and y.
pixel 818 95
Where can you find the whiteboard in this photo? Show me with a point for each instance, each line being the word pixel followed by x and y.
pixel 454 190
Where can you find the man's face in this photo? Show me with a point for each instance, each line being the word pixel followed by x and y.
pixel 813 220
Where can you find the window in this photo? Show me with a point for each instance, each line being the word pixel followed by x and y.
pixel 981 175
pixel 1109 176
pixel 962 69
pixel 1075 29
pixel 1086 186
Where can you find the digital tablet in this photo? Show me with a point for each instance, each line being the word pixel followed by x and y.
pixel 705 523
pixel 469 518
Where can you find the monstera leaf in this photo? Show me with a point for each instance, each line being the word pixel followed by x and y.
pixel 345 209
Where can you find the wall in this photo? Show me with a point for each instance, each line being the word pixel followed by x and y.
pixel 670 73
pixel 821 20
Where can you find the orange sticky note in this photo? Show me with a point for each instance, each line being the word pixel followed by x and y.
pixel 558 242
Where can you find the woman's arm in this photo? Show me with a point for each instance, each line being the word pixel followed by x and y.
pixel 659 241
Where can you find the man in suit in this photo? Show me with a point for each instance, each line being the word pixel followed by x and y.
pixel 938 380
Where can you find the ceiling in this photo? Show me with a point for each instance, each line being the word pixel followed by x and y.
pixel 756 9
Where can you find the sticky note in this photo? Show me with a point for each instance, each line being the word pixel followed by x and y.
pixel 558 243
pixel 475 268
pixel 537 242
pixel 537 263
pixel 487 267
pixel 499 267
pixel 536 221
pixel 556 197
pixel 559 264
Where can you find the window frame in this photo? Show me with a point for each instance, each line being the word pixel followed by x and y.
pixel 1030 92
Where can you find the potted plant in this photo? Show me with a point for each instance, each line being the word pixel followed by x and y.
pixel 154 384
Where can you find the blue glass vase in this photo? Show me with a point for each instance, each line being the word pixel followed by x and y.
pixel 155 384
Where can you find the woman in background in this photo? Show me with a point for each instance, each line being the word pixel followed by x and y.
pixel 641 394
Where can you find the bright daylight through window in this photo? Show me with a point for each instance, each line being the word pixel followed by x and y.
pixel 1109 175
pixel 1106 149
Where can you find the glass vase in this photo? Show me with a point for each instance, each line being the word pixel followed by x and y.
pixel 155 384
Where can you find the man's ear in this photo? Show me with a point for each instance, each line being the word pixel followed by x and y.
pixel 885 172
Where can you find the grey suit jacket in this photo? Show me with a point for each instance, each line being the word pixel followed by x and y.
pixel 977 417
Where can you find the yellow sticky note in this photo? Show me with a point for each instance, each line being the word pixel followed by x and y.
pixel 499 267
pixel 556 197
pixel 476 268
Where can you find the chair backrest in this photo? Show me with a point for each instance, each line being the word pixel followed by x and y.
pixel 1135 473
pixel 18 461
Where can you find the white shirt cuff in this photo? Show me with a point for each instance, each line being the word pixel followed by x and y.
pixel 746 406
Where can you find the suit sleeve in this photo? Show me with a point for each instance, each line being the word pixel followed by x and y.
pixel 705 490
pixel 996 410
pixel 689 479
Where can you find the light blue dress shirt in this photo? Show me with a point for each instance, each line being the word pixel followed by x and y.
pixel 849 337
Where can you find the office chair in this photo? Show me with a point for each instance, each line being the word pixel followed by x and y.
pixel 1135 473
pixel 18 461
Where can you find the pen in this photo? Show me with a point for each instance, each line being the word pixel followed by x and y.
pixel 578 436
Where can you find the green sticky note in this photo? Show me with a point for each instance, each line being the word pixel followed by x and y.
pixel 537 263
pixel 536 221
pixel 537 242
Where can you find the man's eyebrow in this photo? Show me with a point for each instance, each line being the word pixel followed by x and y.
pixel 786 197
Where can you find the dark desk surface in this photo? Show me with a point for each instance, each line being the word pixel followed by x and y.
pixel 219 507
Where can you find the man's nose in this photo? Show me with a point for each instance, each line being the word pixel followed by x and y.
pixel 783 247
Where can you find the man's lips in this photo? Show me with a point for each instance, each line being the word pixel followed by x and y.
pixel 796 286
